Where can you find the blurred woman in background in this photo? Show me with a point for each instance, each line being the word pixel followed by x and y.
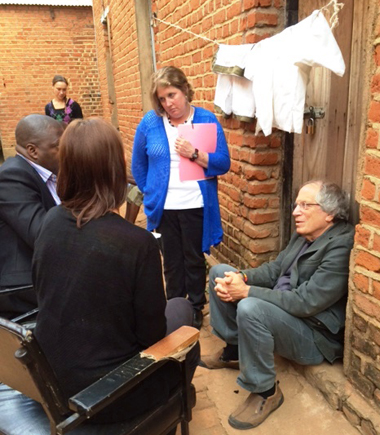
pixel 60 107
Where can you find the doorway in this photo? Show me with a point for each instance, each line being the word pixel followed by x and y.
pixel 331 152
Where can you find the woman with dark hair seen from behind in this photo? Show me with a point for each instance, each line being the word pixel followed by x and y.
pixel 98 278
pixel 186 213
pixel 60 107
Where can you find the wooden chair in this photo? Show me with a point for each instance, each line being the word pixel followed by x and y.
pixel 31 402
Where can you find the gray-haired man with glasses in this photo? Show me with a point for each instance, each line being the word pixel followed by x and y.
pixel 294 305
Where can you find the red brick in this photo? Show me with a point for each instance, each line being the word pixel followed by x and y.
pixel 368 190
pixel 219 17
pixel 370 216
pixel 372 138
pixel 376 243
pixel 194 4
pixel 257 217
pixel 234 194
pixel 263 159
pixel 254 174
pixel 249 4
pixel 375 334
pixel 255 141
pixel 244 154
pixel 235 138
pixel 276 140
pixel 369 261
pixel 236 167
pixel 254 37
pixel 274 203
pixel 233 10
pixel 362 236
pixel 262 246
pixel 372 166
pixel 256 232
pixel 258 188
pixel 361 282
pixel 367 306
pixel 374 111
pixel 376 289
pixel 259 19
pixel 254 202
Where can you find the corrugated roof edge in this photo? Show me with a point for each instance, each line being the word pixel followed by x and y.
pixel 47 2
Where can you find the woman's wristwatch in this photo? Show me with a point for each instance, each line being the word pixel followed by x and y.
pixel 195 155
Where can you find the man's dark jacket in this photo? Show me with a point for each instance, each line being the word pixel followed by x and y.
pixel 319 282
pixel 24 201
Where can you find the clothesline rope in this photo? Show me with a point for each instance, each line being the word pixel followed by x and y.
pixel 185 30
pixel 334 20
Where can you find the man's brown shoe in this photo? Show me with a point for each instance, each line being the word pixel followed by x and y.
pixel 255 410
pixel 217 362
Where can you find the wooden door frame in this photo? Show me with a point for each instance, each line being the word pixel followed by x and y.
pixel 358 101
pixel 143 11
pixel 291 17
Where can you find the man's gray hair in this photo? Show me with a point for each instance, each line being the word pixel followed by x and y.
pixel 332 199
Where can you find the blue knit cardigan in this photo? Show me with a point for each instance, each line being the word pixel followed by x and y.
pixel 151 170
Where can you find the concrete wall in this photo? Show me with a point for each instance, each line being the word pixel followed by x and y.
pixel 38 42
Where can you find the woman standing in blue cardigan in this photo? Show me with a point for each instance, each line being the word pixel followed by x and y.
pixel 186 213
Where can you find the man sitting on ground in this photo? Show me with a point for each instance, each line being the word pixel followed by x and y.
pixel 294 305
pixel 27 192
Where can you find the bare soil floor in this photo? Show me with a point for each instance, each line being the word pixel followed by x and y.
pixel 304 411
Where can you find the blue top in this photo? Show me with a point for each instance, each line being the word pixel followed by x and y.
pixel 151 170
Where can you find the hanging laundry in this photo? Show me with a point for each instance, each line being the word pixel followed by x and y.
pixel 279 69
pixel 233 94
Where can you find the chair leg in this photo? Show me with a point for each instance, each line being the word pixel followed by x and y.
pixel 186 387
pixel 185 427
pixel 187 411
pixel 173 431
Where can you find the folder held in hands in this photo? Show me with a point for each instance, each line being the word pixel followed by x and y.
pixel 201 136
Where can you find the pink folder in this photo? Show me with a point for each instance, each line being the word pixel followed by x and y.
pixel 201 136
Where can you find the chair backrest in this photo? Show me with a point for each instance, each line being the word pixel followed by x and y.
pixel 24 368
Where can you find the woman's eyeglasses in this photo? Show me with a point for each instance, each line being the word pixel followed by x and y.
pixel 304 205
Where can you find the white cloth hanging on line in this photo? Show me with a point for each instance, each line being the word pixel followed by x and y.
pixel 279 68
pixel 276 72
pixel 233 93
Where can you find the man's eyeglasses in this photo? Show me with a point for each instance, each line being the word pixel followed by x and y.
pixel 304 205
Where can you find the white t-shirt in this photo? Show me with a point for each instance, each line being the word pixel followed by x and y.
pixel 181 194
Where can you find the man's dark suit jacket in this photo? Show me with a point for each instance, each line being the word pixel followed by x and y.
pixel 319 282
pixel 24 201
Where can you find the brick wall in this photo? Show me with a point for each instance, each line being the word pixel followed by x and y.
pixel 363 329
pixel 121 32
pixel 38 42
pixel 250 193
